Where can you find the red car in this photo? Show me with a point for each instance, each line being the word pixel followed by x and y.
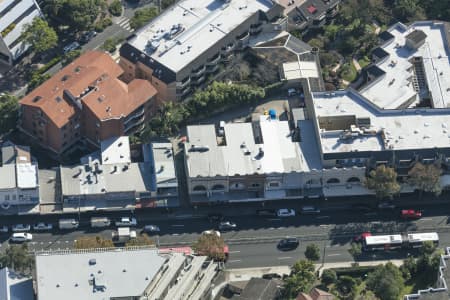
pixel 361 237
pixel 411 214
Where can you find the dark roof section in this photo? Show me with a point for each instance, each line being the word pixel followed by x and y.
pixel 297 45
pixel 416 36
pixel 160 71
pixel 375 71
pixel 379 53
pixel 312 9
pixel 259 289
pixel 385 36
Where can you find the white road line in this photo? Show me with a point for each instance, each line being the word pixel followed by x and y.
pixel 426 219
pixel 285 257
pixel 277 219
pixel 323 217
pixel 335 254
pixel 234 261
pixel 237 251
pixel 177 225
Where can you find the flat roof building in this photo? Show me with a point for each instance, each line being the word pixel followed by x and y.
pixel 15 286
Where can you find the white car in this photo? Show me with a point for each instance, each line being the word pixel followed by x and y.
pixel 151 228
pixel 286 212
pixel 42 226
pixel 21 227
pixel 21 237
pixel 4 229
pixel 209 232
pixel 125 221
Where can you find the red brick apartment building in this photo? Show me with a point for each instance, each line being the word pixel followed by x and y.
pixel 86 102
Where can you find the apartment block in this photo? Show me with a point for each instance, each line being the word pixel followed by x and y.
pixel 85 103
pixel 188 41
pixel 308 14
pixel 14 16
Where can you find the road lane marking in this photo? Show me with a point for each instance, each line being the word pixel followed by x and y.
pixel 323 217
pixel 335 254
pixel 177 225
pixel 236 251
pixel 426 219
pixel 274 219
pixel 284 257
pixel 234 261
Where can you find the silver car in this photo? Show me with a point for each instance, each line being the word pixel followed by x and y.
pixel 21 227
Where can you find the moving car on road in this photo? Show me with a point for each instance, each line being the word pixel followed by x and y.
pixel 288 244
pixel 150 228
pixel 41 226
pixel 68 224
pixel 21 227
pixel 227 225
pixel 411 214
pixel 21 237
pixel 286 212
pixel 126 221
pixel 4 229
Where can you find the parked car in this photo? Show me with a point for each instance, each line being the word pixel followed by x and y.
pixel 359 238
pixel 150 228
pixel 310 210
pixel 126 221
pixel 4 229
pixel 271 276
pixel 87 36
pixel 288 244
pixel 212 232
pixel 20 237
pixel 66 224
pixel 41 226
pixel 227 225
pixel 70 47
pixel 266 212
pixel 386 205
pixel 100 222
pixel 286 212
pixel 411 214
pixel 21 227
pixel 215 217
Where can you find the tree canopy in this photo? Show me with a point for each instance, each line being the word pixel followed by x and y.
pixel 40 36
pixel 143 16
pixel 17 258
pixel 312 252
pixel 210 245
pixel 9 112
pixel 386 282
pixel 383 180
pixel 301 279
pixel 426 177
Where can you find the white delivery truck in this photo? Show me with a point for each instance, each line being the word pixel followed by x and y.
pixel 100 222
pixel 68 224
pixel 123 235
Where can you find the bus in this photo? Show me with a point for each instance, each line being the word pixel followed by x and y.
pixel 382 242
pixel 416 240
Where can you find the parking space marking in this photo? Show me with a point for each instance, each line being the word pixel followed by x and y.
pixel 334 254
pixel 284 257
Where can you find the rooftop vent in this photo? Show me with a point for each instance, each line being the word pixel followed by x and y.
pixel 65 78
pixel 36 99
pixel 92 261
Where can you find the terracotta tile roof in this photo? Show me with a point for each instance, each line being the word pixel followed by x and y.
pixel 94 73
pixel 318 294
pixel 303 296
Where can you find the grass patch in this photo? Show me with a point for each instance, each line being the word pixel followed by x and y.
pixel 363 62
pixel 348 72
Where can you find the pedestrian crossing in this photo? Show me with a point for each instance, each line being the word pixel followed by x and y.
pixel 124 22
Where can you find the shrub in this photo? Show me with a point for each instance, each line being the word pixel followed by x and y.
pixel 115 8
pixel 329 277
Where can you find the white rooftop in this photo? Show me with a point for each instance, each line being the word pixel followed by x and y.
pixel 27 177
pixel 300 69
pixel 164 165
pixel 8 176
pixel 391 129
pixel 123 273
pixel 203 23
pixel 241 155
pixel 396 88
pixel 384 239
pixel 115 150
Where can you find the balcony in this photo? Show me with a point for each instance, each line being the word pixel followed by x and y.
pixel 185 92
pixel 182 84
pixel 198 72
pixel 199 80
pixel 212 69
pixel 214 61
pixel 228 48
pixel 244 36
pixel 135 115
pixel 255 28
pixel 133 124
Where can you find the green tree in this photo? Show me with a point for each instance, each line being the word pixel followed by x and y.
pixel 386 282
pixel 312 252
pixel 166 3
pixel 211 245
pixel 383 180
pixel 36 80
pixel 92 242
pixel 409 268
pixel 143 16
pixel 355 250
pixel 70 56
pixel 140 240
pixel 426 178
pixel 328 277
pixel 346 286
pixel 166 122
pixel 9 112
pixel 115 8
pixel 408 10
pixel 301 279
pixel 17 258
pixel 40 36
pixel 78 14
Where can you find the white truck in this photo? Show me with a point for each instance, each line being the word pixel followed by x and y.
pixel 123 235
pixel 68 224
pixel 97 222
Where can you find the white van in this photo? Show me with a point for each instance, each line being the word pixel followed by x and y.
pixel 68 224
pixel 100 222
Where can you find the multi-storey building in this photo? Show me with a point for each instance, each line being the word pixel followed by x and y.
pixel 188 41
pixel 14 15
pixel 85 102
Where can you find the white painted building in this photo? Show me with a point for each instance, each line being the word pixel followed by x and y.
pixel 14 15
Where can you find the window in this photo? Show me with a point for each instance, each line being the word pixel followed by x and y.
pixel 274 184
pixel 255 185
pixel 199 188
pixel 6 197
pixel 14 197
pixel 333 180
pixel 353 179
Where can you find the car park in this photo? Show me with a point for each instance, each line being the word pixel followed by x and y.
pixel 126 221
pixel 70 47
pixel 266 212
pixel 386 205
pixel 41 226
pixel 150 228
pixel 309 210
pixel 21 227
pixel 288 244
pixel 20 237
pixel 4 229
pixel 286 212
pixel 227 225
pixel 410 214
